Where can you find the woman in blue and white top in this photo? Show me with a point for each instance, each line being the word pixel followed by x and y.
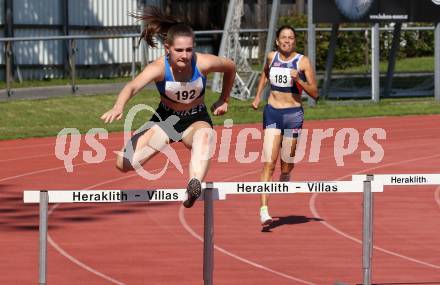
pixel 289 74
pixel 180 78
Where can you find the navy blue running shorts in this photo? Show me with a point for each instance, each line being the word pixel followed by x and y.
pixel 288 120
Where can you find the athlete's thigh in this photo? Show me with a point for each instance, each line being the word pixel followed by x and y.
pixel 154 138
pixel 271 144
pixel 197 130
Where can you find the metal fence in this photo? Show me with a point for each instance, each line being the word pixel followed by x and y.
pixel 80 49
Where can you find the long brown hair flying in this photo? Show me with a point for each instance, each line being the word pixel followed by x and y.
pixel 162 25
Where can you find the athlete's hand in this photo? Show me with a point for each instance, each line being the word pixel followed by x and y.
pixel 294 74
pixel 219 108
pixel 112 114
pixel 256 102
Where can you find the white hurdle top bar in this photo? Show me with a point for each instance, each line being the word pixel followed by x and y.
pixel 220 190
pixel 295 187
pixel 403 179
pixel 108 196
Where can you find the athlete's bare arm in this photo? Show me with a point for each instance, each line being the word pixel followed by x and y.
pixel 263 80
pixel 151 72
pixel 210 63
pixel 310 86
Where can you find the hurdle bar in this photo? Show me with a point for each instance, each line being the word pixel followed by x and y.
pixel 385 180
pixel 402 179
pixel 310 187
pixel 44 198
pixel 211 191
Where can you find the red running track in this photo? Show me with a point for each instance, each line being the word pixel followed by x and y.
pixel 314 240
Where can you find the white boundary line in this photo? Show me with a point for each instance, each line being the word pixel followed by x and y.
pixel 26 157
pixel 90 269
pixel 25 146
pixel 188 228
pixel 75 260
pixel 70 257
pixel 336 230
pixel 87 268
pixel 48 170
pixel 49 143
pixel 241 259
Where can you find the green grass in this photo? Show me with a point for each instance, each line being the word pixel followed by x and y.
pixel 41 118
pixel 67 81
pixel 416 64
pixel 419 64
pixel 386 107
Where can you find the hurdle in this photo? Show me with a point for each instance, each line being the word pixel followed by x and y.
pixel 385 180
pixel 211 191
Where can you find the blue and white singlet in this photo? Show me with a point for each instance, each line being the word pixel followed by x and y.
pixel 182 92
pixel 279 75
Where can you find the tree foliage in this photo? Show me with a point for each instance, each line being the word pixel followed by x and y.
pixel 354 47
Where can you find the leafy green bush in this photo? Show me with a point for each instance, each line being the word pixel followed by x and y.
pixel 354 48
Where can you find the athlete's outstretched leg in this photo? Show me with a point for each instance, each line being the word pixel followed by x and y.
pixel 271 149
pixel 143 146
pixel 199 137
pixel 288 149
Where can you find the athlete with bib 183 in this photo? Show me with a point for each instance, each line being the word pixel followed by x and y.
pixel 289 73
pixel 180 77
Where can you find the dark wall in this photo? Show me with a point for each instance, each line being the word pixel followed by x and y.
pixel 211 14
pixel 200 14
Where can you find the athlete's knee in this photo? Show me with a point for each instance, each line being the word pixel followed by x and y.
pixel 204 136
pixel 286 167
pixel 269 166
pixel 122 163
pixel 203 142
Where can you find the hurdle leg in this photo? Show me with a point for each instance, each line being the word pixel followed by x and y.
pixel 371 232
pixel 367 231
pixel 208 235
pixel 44 204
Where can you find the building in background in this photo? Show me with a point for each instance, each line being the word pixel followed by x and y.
pixel 105 57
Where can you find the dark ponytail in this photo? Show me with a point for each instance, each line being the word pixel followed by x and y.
pixel 164 26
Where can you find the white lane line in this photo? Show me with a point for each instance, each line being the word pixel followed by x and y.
pixel 239 258
pixel 70 257
pixel 107 146
pixel 84 266
pixel 58 168
pixel 75 260
pixel 26 157
pixel 48 170
pixel 36 156
pixel 188 228
pixel 125 177
pixel 312 206
pixel 31 145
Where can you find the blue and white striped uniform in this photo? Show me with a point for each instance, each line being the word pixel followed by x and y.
pixel 279 74
pixel 288 120
pixel 182 92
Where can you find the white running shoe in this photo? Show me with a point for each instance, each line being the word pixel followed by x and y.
pixel 265 218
